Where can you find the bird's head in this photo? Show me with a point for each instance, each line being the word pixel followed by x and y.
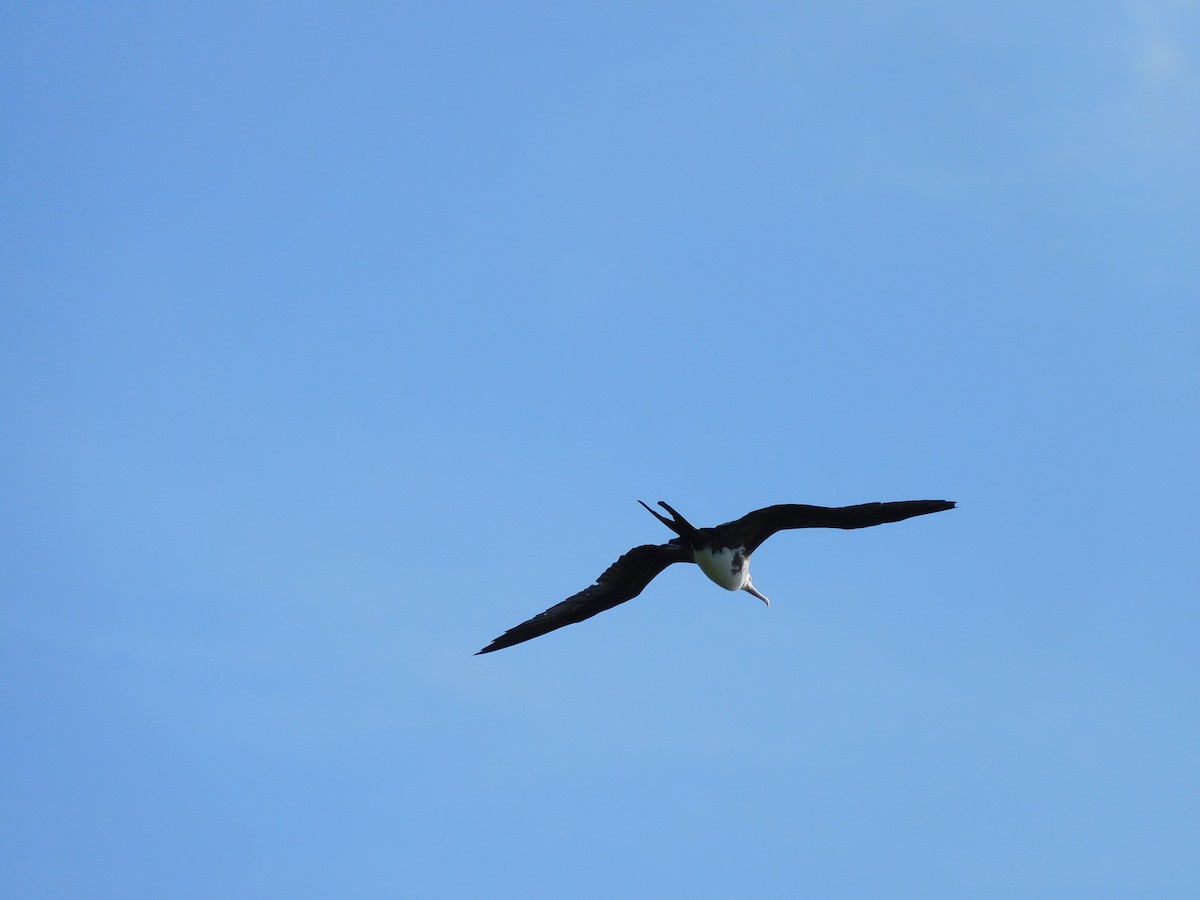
pixel 749 588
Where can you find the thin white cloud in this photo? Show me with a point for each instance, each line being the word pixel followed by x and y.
pixel 1139 136
pixel 1163 55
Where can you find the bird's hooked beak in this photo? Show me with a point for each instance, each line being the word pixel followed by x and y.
pixel 749 588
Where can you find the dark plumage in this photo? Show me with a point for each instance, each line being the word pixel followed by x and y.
pixel 722 552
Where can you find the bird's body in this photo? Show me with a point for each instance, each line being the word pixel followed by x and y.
pixel 724 565
pixel 722 553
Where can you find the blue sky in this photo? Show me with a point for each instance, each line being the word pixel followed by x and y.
pixel 338 339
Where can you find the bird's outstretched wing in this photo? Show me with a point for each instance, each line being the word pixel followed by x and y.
pixel 754 528
pixel 623 580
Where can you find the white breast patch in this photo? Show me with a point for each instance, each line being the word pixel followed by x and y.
pixel 719 567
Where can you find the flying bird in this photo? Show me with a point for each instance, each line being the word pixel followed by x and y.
pixel 722 553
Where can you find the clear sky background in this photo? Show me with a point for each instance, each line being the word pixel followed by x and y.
pixel 339 338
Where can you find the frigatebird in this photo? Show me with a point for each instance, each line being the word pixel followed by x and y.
pixel 722 553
